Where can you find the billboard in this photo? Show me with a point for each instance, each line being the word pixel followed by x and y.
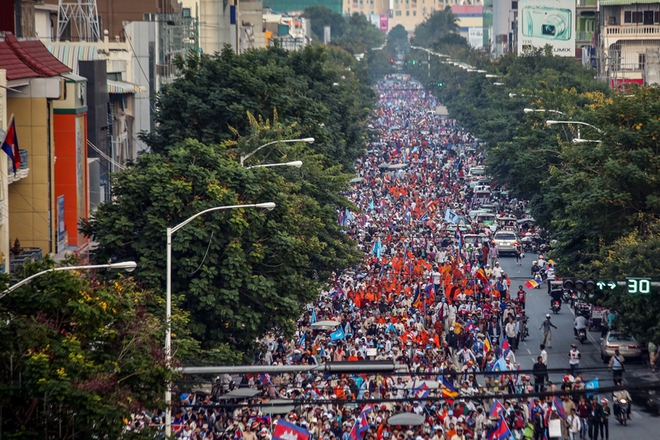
pixel 476 37
pixel 542 22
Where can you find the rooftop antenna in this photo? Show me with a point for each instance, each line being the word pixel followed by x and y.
pixel 81 15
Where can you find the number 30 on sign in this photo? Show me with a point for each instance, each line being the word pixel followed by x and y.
pixel 639 285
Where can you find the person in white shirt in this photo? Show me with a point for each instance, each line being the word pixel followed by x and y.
pixel 573 422
pixel 574 357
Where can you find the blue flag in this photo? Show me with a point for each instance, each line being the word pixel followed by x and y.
pixel 338 334
pixel 450 216
pixel 591 385
pixel 313 320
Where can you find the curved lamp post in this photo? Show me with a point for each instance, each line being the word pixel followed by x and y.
pixel 127 265
pixel 168 290
pixel 285 141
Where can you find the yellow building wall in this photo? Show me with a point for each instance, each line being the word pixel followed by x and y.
pixel 30 199
pixel 4 222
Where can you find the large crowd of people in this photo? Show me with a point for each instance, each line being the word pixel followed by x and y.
pixel 429 296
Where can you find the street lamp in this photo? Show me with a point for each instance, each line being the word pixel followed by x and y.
pixel 168 290
pixel 531 110
pixel 498 83
pixel 580 141
pixel 295 163
pixel 490 75
pixel 550 122
pixel 128 265
pixel 284 141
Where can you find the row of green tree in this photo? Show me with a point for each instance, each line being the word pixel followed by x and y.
pixel 80 352
pixel 591 177
pixel 354 33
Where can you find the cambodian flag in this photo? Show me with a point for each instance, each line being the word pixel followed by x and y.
pixel 556 404
pixel 10 145
pixel 495 409
pixel 500 432
pixel 506 347
pixel 361 424
pixel 288 431
pixel 422 391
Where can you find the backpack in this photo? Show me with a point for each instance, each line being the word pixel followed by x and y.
pixel 518 421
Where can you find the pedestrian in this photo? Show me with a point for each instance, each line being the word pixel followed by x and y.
pixel 573 421
pixel 493 254
pixel 518 249
pixel 511 331
pixel 616 366
pixel 540 372
pixel 547 327
pixel 593 419
pixel 583 413
pixel 574 357
pixel 653 355
pixel 605 420
pixel 544 355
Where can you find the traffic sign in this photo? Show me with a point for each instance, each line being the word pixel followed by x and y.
pixel 639 285
pixel 605 284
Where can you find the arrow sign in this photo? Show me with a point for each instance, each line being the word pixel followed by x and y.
pixel 611 285
pixel 601 285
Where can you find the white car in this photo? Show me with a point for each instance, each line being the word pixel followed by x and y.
pixel 505 241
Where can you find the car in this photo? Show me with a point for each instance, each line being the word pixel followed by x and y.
pixel 625 342
pixel 505 241
pixel 477 171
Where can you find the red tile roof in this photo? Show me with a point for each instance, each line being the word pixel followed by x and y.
pixel 28 59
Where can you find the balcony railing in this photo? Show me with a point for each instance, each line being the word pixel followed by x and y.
pixel 22 172
pixel 633 30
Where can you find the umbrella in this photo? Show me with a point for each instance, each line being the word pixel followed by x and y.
pixel 407 419
pixel 356 180
pixel 278 406
pixel 240 393
pixel 384 165
pixel 397 166
pixel 325 325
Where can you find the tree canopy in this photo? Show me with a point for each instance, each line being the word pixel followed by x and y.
pixel 241 272
pixel 355 33
pixel 323 91
pixel 438 25
pixel 79 353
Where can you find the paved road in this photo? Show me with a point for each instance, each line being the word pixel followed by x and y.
pixel 643 424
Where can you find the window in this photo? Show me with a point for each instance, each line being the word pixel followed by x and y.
pixel 398 13
pixel 407 13
pixel 514 5
pixel 648 17
pixel 633 17
pixel 641 59
pixel 414 13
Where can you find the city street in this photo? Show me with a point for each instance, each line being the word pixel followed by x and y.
pixel 643 425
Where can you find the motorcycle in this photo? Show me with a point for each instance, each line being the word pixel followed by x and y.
pixel 556 307
pixel 621 413
pixel 582 335
pixel 566 296
pixel 574 298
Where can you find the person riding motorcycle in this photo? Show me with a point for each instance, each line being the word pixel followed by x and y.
pixel 535 268
pixel 555 296
pixel 617 396
pixel 580 323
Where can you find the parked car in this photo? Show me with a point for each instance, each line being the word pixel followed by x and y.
pixel 505 241
pixel 625 342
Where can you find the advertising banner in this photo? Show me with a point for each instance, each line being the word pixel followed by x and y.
pixel 476 37
pixel 384 22
pixel 542 22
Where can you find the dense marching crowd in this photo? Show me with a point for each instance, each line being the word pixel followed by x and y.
pixel 429 296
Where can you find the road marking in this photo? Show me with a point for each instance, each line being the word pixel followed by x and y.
pixel 528 351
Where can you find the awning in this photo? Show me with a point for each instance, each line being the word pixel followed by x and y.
pixel 121 87
pixel 626 2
